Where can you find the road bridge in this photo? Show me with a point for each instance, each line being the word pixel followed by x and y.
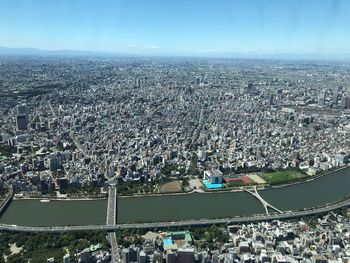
pixel 112 206
pixel 4 204
pixel 111 220
pixel 262 201
pixel 199 222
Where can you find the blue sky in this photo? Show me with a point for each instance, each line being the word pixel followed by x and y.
pixel 178 26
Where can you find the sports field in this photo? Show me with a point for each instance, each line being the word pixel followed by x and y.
pixel 171 187
pixel 281 176
pixel 238 181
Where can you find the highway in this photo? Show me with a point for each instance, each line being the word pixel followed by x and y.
pixel 253 218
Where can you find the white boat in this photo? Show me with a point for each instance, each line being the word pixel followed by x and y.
pixel 45 200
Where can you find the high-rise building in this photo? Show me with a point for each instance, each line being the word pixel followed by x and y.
pixel 21 117
pixel 322 98
pixel 271 97
pixel 66 258
pixel 345 102
pixel 22 109
pixel 21 122
pixel 138 83
pixel 53 163
pixel 335 99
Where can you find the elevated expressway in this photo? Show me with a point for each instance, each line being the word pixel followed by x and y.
pixel 199 222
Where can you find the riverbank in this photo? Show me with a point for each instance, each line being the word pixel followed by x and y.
pixel 60 199
pixel 160 194
pixel 240 189
pixel 184 206
pixel 308 179
pixel 193 191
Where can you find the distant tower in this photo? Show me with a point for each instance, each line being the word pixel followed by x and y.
pixel 270 99
pixel 335 99
pixel 322 98
pixel 138 83
pixel 345 102
pixel 22 109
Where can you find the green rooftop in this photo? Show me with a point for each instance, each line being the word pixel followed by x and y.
pixel 3 157
pixel 95 247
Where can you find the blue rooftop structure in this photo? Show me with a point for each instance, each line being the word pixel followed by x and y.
pixel 30 174
pixel 167 241
pixel 209 185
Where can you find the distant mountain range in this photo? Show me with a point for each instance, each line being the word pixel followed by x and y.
pixel 41 52
pixel 6 51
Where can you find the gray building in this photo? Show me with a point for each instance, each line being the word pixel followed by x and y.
pixel 21 122
pixel 213 176
pixel 125 255
pixel 170 257
pixel 185 255
pixel 345 102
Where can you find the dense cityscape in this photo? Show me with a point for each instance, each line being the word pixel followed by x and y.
pixel 81 128
pixel 174 131
pixel 80 122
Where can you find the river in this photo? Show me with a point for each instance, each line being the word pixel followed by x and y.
pixel 55 213
pixel 323 190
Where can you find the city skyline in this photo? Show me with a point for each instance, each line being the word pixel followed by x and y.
pixel 252 28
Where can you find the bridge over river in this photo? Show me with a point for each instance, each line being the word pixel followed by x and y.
pixel 111 221
pixel 253 218
pixel 169 210
pixel 265 204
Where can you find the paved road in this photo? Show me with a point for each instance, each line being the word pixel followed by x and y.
pixel 198 128
pixel 254 218
pixel 112 206
pixel 114 247
pixel 111 221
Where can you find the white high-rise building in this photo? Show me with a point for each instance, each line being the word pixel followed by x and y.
pixel 66 258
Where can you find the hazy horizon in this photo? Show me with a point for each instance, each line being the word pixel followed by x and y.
pixel 253 28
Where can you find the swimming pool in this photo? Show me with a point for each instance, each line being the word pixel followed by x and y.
pixel 167 241
pixel 209 185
